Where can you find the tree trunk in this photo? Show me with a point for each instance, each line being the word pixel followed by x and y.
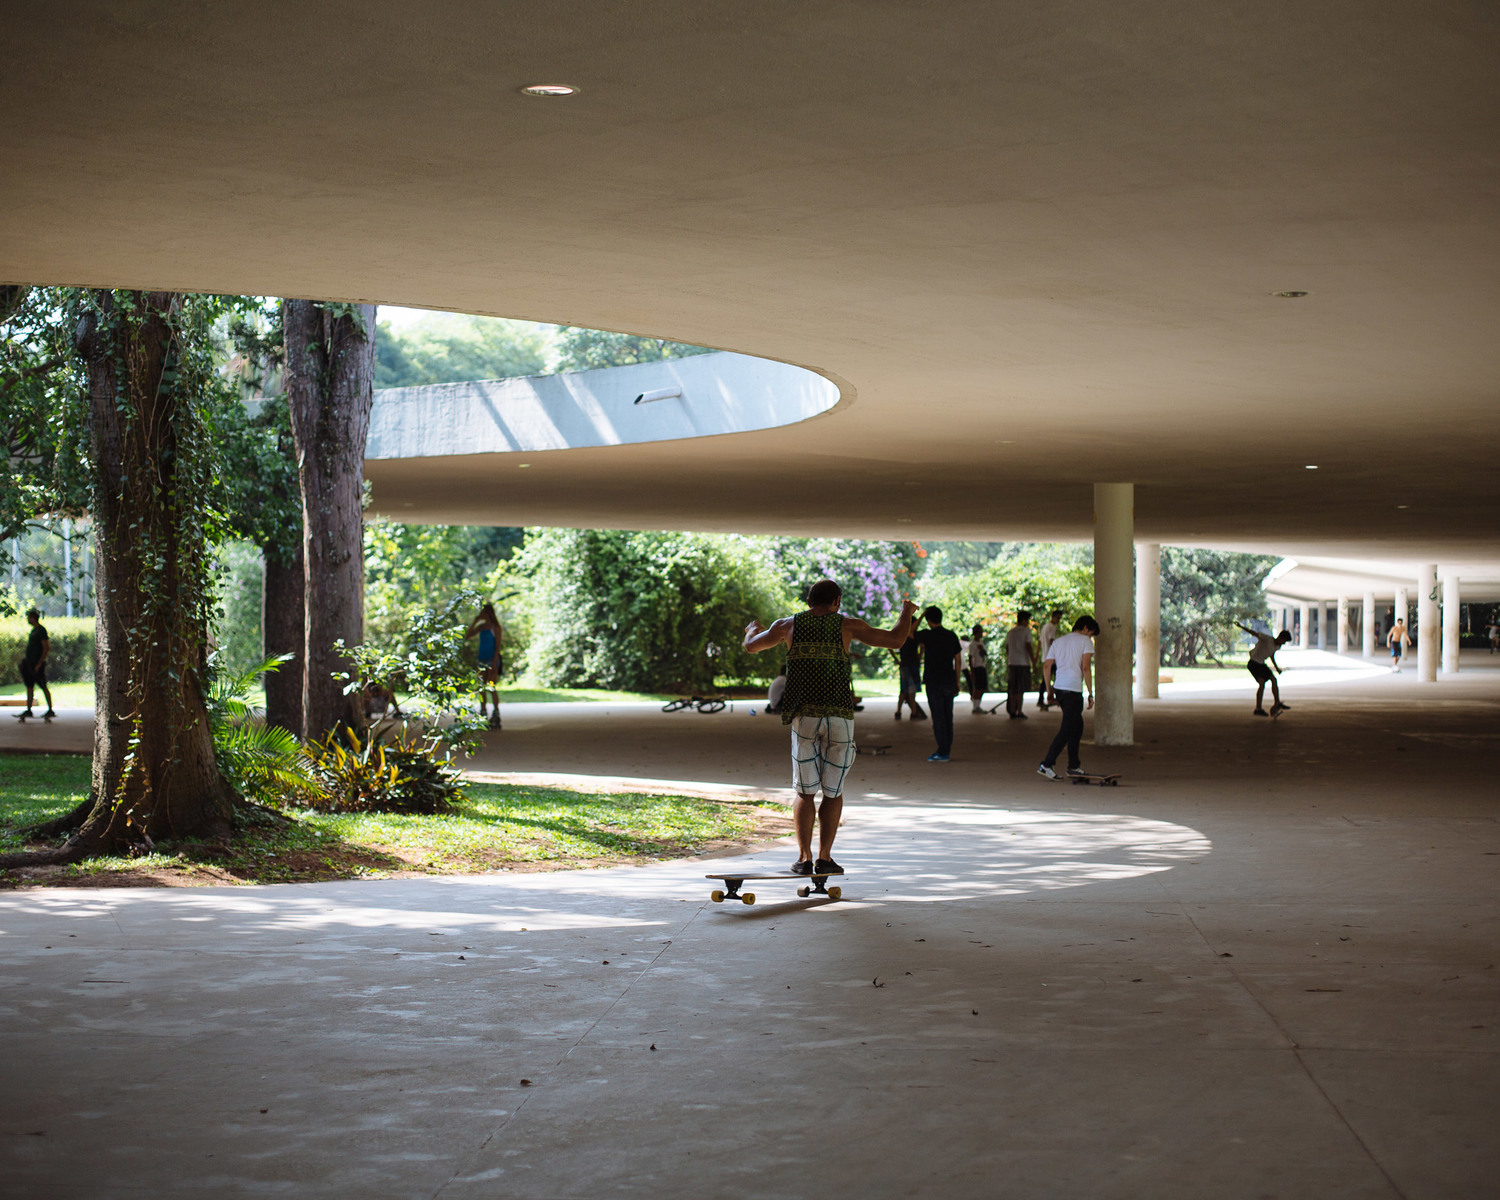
pixel 283 631
pixel 330 374
pixel 154 773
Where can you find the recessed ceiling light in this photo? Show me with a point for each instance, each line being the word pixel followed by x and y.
pixel 549 89
pixel 523 466
pixel 1312 466
pixel 1289 295
pixel 1401 506
pixel 903 520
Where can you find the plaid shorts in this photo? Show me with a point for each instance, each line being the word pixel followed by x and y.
pixel 822 753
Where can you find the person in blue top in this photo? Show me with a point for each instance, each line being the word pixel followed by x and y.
pixel 487 625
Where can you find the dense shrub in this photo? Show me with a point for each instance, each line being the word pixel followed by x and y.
pixel 648 611
pixel 1035 578
pixel 367 775
pixel 71 659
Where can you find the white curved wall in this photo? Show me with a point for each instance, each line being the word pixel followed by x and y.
pixel 721 393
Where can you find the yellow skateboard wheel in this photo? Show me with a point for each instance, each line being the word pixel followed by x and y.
pixel 835 892
pixel 748 897
pixel 716 896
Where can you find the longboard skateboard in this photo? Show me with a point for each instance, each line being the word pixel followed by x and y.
pixel 23 717
pixel 814 885
pixel 877 751
pixel 1101 780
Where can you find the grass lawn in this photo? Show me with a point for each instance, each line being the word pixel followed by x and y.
pixel 81 695
pixel 65 695
pixel 499 826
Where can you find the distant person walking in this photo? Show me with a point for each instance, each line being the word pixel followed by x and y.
pixel 34 663
pixel 1398 641
pixel 1068 672
pixel 979 668
pixel 1494 634
pixel 941 654
pixel 1046 637
pixel 1020 657
pixel 1262 660
pixel 819 704
pixel 909 670
pixel 487 625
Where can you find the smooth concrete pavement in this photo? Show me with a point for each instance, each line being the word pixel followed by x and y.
pixel 1263 966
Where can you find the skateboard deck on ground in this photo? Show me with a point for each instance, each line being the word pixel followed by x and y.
pixel 23 717
pixel 877 751
pixel 814 885
pixel 1101 780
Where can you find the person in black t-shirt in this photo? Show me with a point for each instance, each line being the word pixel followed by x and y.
pixel 34 663
pixel 941 652
pixel 909 670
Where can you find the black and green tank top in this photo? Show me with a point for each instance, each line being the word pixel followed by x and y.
pixel 818 680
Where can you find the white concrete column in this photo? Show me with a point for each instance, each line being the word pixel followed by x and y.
pixel 1403 609
pixel 1322 624
pixel 1114 609
pixel 1148 620
pixel 1451 634
pixel 1427 623
pixel 1367 626
pixel 1341 624
pixel 1304 617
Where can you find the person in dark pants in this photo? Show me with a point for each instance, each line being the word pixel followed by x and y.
pixel 1020 654
pixel 941 652
pixel 909 667
pixel 34 663
pixel 1068 671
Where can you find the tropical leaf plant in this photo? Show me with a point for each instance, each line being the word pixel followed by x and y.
pixel 260 761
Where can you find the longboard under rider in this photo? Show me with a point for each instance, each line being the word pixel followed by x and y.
pixel 813 885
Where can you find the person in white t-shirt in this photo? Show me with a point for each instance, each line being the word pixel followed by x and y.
pixel 1019 658
pixel 979 668
pixel 1046 637
pixel 1068 672
pixel 1262 660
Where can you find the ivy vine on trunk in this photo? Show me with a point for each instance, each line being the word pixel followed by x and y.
pixel 150 376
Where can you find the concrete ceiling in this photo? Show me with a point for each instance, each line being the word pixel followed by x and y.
pixel 1035 245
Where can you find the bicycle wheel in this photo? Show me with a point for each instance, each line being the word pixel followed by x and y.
pixel 674 705
pixel 711 706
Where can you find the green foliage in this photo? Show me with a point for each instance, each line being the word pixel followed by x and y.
pixel 366 774
pixel 1036 578
pixel 1203 594
pixel 70 659
pixel 426 659
pixel 459 349
pixel 260 761
pixel 588 349
pixel 647 611
pixel 239 586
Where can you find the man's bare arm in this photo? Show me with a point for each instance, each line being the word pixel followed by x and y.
pixel 758 639
pixel 891 639
pixel 1088 676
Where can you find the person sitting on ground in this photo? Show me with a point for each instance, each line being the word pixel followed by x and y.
pixel 1068 671
pixel 487 625
pixel 776 691
pixel 1262 659
pixel 34 663
pixel 819 706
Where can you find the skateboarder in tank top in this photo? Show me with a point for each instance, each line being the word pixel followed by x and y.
pixel 819 705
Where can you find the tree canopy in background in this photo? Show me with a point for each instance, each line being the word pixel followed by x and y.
pixel 589 349
pixel 449 348
pixel 1203 594
pixel 1036 578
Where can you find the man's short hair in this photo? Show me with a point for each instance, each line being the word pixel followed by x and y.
pixel 1284 636
pixel 933 614
pixel 34 612
pixel 1023 617
pixel 825 591
pixel 1086 624
pixel 1055 613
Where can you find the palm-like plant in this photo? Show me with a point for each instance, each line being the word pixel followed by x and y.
pixel 264 762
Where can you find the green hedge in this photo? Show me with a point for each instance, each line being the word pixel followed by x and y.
pixel 71 659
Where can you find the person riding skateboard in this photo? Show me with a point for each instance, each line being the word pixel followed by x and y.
pixel 34 664
pixel 1068 670
pixel 819 705
pixel 1262 659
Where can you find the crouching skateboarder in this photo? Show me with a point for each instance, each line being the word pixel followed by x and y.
pixel 819 706
pixel 1262 660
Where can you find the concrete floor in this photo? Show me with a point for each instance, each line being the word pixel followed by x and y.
pixel 1264 966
